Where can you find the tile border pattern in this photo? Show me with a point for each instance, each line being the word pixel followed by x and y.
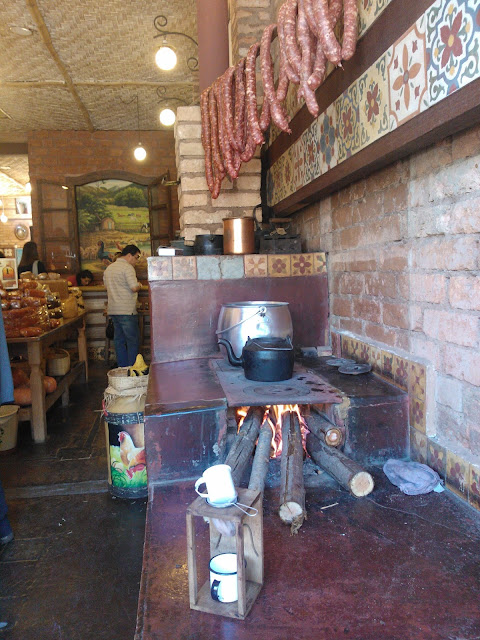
pixel 278 265
pixel 460 476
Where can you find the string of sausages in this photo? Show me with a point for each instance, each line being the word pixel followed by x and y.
pixel 231 125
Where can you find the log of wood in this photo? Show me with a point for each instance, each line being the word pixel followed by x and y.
pixel 261 458
pixel 323 428
pixel 239 455
pixel 347 472
pixel 292 488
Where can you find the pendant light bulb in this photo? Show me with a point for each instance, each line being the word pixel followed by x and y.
pixel 140 153
pixel 167 117
pixel 166 58
pixel 3 218
pixel 28 187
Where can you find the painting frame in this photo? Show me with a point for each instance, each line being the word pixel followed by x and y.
pixel 23 206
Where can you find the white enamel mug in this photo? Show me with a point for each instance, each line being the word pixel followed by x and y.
pixel 223 577
pixel 220 488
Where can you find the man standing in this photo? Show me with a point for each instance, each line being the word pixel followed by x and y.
pixel 122 285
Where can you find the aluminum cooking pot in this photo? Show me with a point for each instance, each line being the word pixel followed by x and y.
pixel 257 319
pixel 264 359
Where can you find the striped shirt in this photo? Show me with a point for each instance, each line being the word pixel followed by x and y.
pixel 119 278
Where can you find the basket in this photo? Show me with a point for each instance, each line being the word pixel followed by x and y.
pixel 58 362
pixel 120 380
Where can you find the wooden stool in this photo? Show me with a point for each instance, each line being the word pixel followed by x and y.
pixel 248 547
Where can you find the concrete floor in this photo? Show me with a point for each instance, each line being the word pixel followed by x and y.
pixel 73 570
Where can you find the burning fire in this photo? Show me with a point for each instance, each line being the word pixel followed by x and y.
pixel 274 416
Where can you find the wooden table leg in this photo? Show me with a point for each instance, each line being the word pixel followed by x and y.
pixel 82 348
pixel 39 417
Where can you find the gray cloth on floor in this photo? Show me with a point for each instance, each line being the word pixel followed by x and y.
pixel 413 478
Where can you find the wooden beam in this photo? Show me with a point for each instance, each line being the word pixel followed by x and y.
pixel 13 149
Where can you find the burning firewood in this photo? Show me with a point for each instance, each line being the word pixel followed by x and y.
pixel 323 428
pixel 347 472
pixel 240 454
pixel 261 459
pixel 292 491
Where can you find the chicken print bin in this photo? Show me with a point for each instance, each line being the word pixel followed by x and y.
pixel 125 437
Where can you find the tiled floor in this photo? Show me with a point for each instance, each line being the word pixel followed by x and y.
pixel 73 570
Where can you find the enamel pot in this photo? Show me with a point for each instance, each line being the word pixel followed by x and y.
pixel 264 359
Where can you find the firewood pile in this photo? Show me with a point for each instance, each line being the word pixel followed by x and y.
pixel 281 430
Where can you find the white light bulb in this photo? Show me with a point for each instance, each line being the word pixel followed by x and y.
pixel 167 117
pixel 166 58
pixel 140 153
pixel 3 218
pixel 28 187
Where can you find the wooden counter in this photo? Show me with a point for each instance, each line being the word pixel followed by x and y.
pixel 35 349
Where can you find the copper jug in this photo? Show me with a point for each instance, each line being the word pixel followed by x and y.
pixel 238 236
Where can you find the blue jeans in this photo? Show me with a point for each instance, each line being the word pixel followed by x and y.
pixel 126 339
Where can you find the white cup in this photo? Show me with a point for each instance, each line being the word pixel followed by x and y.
pixel 220 487
pixel 223 577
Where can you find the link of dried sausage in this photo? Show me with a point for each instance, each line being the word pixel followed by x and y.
pixel 219 169
pixel 278 114
pixel 350 28
pixel 292 75
pixel 305 38
pixel 223 135
pixel 227 103
pixel 283 82
pixel 265 115
pixel 289 27
pixel 319 67
pixel 251 90
pixel 239 116
pixel 207 139
pixel 330 45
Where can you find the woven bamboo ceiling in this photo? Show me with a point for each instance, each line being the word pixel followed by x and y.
pixel 86 63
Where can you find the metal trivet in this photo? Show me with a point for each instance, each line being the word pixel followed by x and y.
pixel 355 369
pixel 339 362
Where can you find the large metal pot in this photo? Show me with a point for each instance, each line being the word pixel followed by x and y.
pixel 239 321
pixel 238 236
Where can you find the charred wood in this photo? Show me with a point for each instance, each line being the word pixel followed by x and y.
pixel 292 488
pixel 241 452
pixel 323 428
pixel 261 458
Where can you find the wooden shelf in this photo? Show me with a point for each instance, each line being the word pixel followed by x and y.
pixel 229 609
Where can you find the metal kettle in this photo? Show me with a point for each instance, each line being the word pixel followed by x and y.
pixel 264 359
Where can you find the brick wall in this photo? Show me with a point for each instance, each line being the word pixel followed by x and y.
pixel 404 274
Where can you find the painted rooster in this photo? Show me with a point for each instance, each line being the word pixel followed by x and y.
pixel 133 457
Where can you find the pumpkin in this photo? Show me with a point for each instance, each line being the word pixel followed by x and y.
pixel 22 396
pixel 50 384
pixel 19 376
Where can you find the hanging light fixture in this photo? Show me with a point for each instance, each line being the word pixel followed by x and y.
pixel 28 187
pixel 167 114
pixel 3 217
pixel 139 153
pixel 167 117
pixel 166 58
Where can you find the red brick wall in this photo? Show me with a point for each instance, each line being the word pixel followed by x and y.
pixel 404 271
pixel 56 155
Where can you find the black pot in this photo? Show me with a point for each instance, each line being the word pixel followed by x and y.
pixel 208 245
pixel 264 359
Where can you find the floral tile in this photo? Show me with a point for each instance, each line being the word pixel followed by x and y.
pixel 417 414
pixel 327 125
pixel 310 141
pixel 407 77
pixel 474 486
pixel 453 39
pixel 418 446
pixel 348 126
pixel 298 164
pixel 364 355
pixel 417 381
pixel 302 264
pixel 400 372
pixel 270 186
pixel 387 364
pixel 376 359
pixel 373 100
pixel 346 346
pixel 279 266
pixel 319 263
pixel 159 268
pixel 368 12
pixel 437 458
pixel 355 346
pixel 458 475
pixel 184 268
pixel 255 266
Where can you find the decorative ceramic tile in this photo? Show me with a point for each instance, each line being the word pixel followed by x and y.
pixel 231 267
pixel 346 346
pixel 407 77
pixel 279 266
pixel 298 164
pixel 364 355
pixel 474 486
pixel 400 372
pixel 159 268
pixel 374 101
pixel 437 458
pixel 355 346
pixel 348 126
pixel 453 39
pixel 311 152
pixel 208 268
pixel 417 414
pixel 327 128
pixel 417 381
pixel 302 264
pixel 184 268
pixel 255 266
pixel 368 12
pixel 458 475
pixel 319 263
pixel 418 446
pixel 376 359
pixel 387 364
